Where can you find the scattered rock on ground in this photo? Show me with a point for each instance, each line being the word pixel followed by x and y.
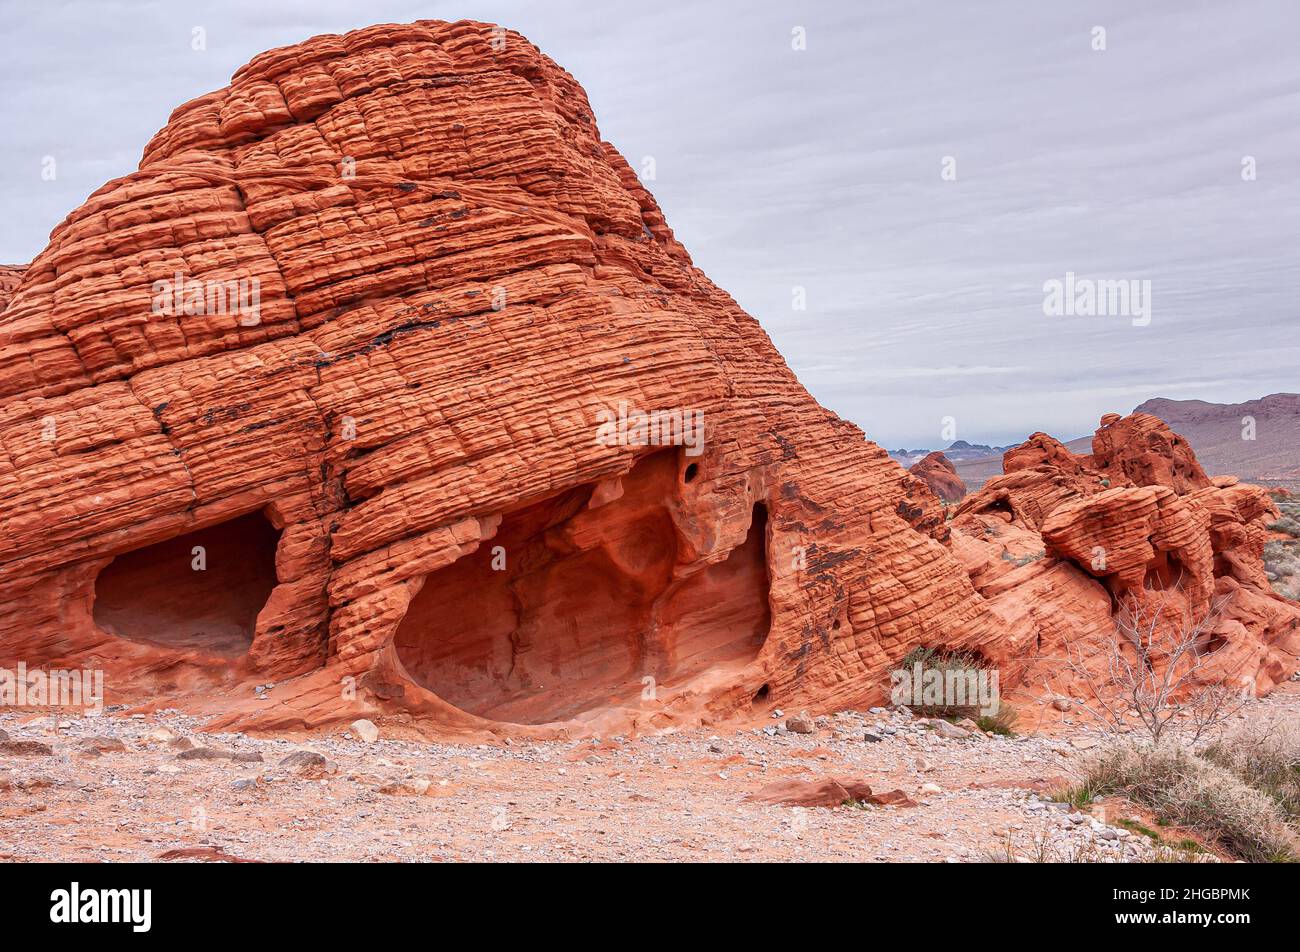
pixel 26 748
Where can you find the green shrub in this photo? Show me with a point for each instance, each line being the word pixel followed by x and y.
pixel 938 659
pixel 1003 722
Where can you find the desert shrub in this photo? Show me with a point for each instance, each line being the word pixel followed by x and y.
pixel 1282 564
pixel 1003 722
pixel 1121 678
pixel 1046 847
pixel 1195 793
pixel 1288 525
pixel 1266 756
pixel 944 661
pixel 1280 558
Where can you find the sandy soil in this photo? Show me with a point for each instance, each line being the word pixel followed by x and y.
pixel 671 797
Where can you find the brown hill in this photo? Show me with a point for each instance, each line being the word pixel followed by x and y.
pixel 1256 440
pixel 1220 433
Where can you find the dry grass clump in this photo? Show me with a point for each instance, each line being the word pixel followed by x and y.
pixel 1267 757
pixel 1282 566
pixel 1044 847
pixel 1196 793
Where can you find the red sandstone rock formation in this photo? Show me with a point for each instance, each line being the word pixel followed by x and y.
pixel 1136 523
pixel 941 476
pixel 10 275
pixel 320 396
pixel 392 464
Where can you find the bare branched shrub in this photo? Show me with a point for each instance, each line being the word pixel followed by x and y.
pixel 1046 847
pixel 1155 673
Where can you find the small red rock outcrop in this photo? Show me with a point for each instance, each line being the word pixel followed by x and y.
pixel 1136 525
pixel 941 476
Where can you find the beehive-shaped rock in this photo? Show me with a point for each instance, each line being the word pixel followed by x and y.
pixel 368 335
pixel 385 381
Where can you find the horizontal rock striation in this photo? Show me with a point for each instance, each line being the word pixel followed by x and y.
pixel 457 282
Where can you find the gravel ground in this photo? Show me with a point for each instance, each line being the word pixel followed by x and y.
pixel 130 787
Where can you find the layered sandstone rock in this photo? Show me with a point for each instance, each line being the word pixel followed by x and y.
pixel 390 456
pixel 10 275
pixel 384 380
pixel 941 476
pixel 1139 525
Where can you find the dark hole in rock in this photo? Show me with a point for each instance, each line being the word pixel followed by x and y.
pixel 156 594
pixel 1208 644
pixel 692 471
pixel 1165 573
pixel 762 694
pixel 1001 506
pixel 570 608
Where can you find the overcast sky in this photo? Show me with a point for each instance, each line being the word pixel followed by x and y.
pixel 820 168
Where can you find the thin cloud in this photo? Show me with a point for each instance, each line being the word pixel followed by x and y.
pixel 820 169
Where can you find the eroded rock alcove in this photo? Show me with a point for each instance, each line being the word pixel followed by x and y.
pixel 582 601
pixel 201 591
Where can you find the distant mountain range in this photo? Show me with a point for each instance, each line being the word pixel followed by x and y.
pixel 957 452
pixel 1221 434
pixel 1257 440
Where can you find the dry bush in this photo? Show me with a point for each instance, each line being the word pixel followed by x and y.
pixel 1282 566
pixel 1044 847
pixel 1192 792
pixel 1266 756
pixel 1155 673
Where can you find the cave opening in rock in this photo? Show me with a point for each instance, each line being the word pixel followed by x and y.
pixel 201 591
pixel 578 604
pixel 720 615
pixel 1001 506
pixel 1165 572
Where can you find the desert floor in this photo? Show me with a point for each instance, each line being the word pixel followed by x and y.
pixel 672 797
